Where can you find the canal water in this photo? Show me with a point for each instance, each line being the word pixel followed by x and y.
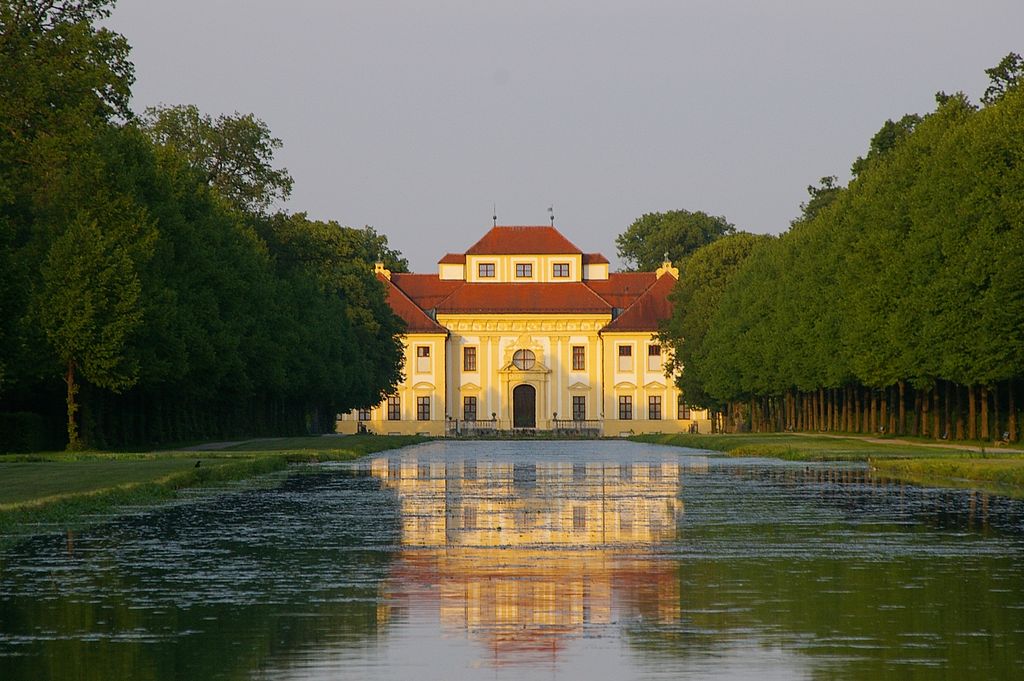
pixel 531 560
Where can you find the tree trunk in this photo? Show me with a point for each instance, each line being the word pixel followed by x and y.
pixel 985 433
pixel 972 414
pixel 926 403
pixel 936 425
pixel 874 412
pixel 831 425
pixel 851 409
pixel 901 427
pixel 69 379
pixel 1011 419
pixel 865 421
pixel 947 433
pixel 997 431
pixel 959 412
pixel 821 410
pixel 883 416
pixel 892 409
pixel 916 425
pixel 856 409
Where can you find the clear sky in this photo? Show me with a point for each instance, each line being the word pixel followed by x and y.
pixel 416 116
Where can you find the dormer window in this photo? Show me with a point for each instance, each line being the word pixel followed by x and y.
pixel 560 270
pixel 485 270
pixel 524 270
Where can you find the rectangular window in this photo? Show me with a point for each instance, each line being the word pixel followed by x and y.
pixel 485 270
pixel 684 409
pixel 625 408
pixel 422 408
pixel 579 358
pixel 625 358
pixel 469 358
pixel 654 407
pixel 654 358
pixel 469 408
pixel 394 408
pixel 579 517
pixel 363 414
pixel 423 359
pixel 560 270
pixel 524 270
pixel 579 407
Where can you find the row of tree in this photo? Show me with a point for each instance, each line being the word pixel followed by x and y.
pixel 147 293
pixel 894 304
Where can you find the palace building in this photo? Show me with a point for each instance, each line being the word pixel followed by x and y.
pixel 526 331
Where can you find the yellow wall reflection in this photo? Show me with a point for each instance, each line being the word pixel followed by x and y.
pixel 524 555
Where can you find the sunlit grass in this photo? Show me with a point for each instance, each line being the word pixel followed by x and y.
pixel 999 468
pixel 64 487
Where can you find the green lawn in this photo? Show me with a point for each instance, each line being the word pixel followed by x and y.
pixel 63 487
pixel 997 468
pixel 829 448
pixel 28 481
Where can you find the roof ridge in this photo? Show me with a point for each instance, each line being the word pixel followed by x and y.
pixel 494 239
pixel 412 302
pixel 455 283
pixel 625 315
pixel 640 294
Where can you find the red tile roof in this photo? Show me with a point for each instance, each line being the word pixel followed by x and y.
pixel 648 310
pixel 594 259
pixel 524 299
pixel 416 320
pixel 453 259
pixel 621 289
pixel 522 240
pixel 426 290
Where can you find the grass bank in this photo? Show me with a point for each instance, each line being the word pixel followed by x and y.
pixel 999 469
pixel 66 488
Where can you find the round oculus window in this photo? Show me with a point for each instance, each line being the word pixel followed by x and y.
pixel 523 359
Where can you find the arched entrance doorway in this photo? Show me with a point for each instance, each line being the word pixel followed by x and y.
pixel 524 406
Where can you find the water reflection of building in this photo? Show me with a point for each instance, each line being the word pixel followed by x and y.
pixel 524 555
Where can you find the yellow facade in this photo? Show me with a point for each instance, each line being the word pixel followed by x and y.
pixel 498 334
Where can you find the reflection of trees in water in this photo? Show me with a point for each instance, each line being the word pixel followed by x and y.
pixel 857 489
pixel 880 619
pixel 214 589
pixel 868 578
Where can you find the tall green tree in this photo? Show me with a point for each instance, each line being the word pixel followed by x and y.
pixel 90 306
pixel 695 300
pixel 885 140
pixel 62 79
pixel 373 247
pixel 1003 77
pixel 675 234
pixel 821 195
pixel 235 152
